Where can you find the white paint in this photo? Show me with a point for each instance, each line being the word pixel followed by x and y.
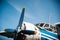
pixel 32 27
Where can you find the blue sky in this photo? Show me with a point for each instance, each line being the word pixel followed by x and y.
pixel 36 11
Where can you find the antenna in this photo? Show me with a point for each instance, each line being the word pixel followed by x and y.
pixel 49 19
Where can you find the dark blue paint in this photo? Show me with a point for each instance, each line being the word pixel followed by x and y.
pixel 21 18
pixel 49 33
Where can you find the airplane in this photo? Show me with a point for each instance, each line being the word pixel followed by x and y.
pixel 48 33
pixel 24 30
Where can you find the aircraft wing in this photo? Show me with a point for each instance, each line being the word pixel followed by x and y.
pixel 7 33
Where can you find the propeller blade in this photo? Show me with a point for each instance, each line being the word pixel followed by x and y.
pixel 21 18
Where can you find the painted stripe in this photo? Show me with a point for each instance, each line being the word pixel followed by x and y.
pixel 49 33
pixel 49 36
pixel 46 37
pixel 42 38
pixel 52 32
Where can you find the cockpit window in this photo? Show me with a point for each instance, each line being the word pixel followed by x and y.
pixel 46 25
pixel 41 24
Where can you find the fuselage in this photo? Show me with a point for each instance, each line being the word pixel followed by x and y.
pixel 29 26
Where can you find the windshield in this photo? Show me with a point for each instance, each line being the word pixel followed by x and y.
pixel 46 25
pixel 41 24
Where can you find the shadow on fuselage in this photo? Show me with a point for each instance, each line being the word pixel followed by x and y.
pixel 20 36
